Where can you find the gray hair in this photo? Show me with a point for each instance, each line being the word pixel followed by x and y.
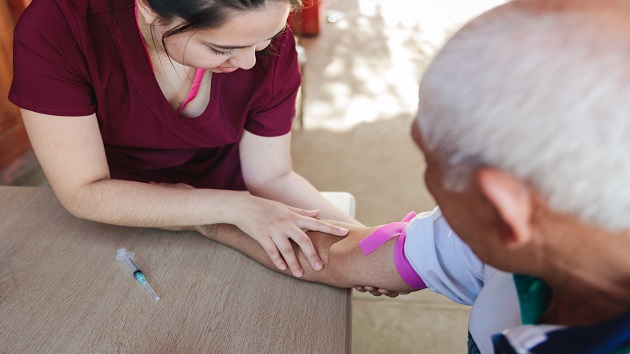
pixel 543 94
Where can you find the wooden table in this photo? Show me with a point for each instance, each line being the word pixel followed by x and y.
pixel 62 291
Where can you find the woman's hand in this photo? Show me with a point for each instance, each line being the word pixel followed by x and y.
pixel 378 292
pixel 274 225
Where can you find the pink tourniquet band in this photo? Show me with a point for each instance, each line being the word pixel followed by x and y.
pixel 384 234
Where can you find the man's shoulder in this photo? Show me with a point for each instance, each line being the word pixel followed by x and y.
pixel 495 308
pixel 611 336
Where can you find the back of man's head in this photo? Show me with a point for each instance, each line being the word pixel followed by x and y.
pixel 541 90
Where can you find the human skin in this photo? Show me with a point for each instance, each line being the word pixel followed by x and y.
pixel 281 205
pixel 510 226
pixel 345 265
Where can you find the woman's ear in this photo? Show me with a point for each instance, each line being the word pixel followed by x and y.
pixel 145 12
pixel 512 200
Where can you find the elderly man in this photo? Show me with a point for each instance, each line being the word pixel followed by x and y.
pixel 524 119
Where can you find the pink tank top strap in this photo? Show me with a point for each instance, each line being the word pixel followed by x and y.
pixel 194 89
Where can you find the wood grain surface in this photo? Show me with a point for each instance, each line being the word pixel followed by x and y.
pixel 62 291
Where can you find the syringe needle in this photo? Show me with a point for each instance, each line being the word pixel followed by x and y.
pixel 146 285
pixel 122 255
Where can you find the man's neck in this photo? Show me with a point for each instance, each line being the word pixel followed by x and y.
pixel 589 271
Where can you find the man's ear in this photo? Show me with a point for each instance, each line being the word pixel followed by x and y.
pixel 512 200
pixel 146 12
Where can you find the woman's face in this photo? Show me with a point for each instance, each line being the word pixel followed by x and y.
pixel 231 46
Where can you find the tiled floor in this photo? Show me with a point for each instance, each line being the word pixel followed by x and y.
pixel 361 85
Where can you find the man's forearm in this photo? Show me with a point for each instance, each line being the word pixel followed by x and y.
pixel 233 237
pixel 345 266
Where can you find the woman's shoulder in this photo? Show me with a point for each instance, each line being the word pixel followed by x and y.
pixel 281 50
pixel 46 23
pixel 284 46
pixel 53 11
pixel 61 25
pixel 46 15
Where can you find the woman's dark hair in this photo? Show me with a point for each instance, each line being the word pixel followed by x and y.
pixel 204 13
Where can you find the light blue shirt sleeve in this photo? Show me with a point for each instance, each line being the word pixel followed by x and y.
pixel 445 263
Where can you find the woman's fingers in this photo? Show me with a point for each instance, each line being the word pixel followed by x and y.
pixel 280 248
pixel 375 293
pixel 307 247
pixel 310 213
pixel 388 293
pixel 286 249
pixel 321 226
pixel 310 223
pixel 282 224
pixel 272 251
pixel 379 291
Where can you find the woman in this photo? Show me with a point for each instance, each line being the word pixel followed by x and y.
pixel 122 99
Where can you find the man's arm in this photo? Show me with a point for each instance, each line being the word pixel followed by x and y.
pixel 345 265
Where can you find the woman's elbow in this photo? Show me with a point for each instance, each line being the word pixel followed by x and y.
pixel 80 203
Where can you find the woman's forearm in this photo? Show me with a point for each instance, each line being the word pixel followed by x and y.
pixel 292 189
pixel 146 205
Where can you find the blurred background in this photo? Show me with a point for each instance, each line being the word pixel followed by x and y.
pixel 362 62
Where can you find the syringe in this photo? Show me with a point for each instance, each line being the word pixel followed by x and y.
pixel 122 255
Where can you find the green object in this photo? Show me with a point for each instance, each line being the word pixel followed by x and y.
pixel 534 296
pixel 624 350
pixel 472 346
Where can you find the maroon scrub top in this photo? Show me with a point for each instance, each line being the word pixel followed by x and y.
pixel 78 57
